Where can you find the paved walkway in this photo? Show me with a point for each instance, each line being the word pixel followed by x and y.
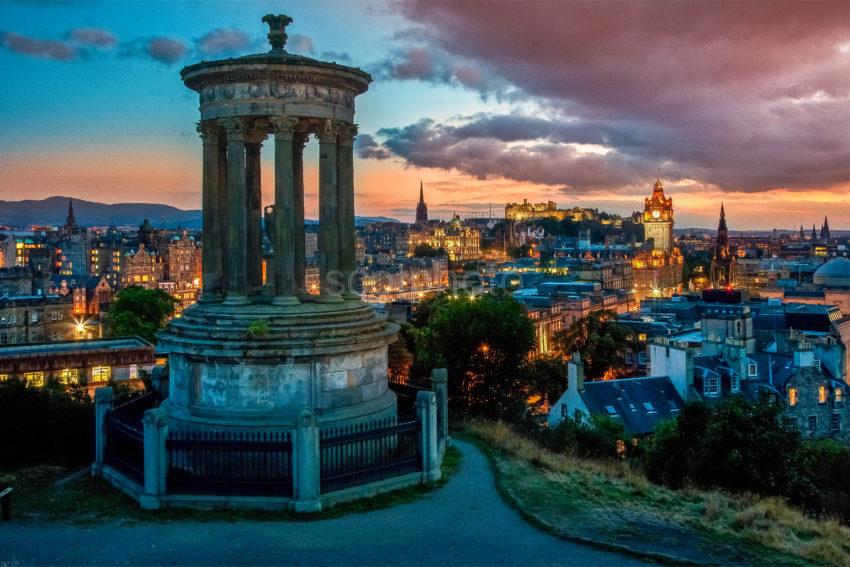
pixel 464 523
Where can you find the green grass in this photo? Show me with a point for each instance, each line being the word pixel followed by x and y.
pixel 93 500
pixel 610 504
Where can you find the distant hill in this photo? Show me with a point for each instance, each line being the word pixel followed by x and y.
pixel 53 210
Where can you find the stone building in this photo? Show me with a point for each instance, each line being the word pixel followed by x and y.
pixel 180 271
pixel 143 267
pixel 459 242
pixel 30 319
pixel 91 363
pixel 17 280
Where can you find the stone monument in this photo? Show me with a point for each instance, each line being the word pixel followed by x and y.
pixel 254 354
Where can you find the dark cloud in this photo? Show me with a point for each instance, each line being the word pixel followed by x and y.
pixel 368 148
pixel 301 44
pixel 165 49
pixel 93 37
pixel 45 48
pixel 338 56
pixel 744 96
pixel 223 42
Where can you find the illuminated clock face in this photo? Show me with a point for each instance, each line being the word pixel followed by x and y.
pixel 656 214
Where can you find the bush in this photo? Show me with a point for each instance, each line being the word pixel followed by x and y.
pixel 44 426
pixel 598 438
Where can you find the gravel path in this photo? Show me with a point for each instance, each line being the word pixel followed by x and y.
pixel 464 523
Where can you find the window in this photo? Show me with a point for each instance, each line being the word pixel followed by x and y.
pixel 564 410
pixel 34 379
pixel 69 376
pixel 630 358
pixel 752 369
pixel 610 410
pixel 839 394
pixel 735 382
pixel 648 406
pixel 835 423
pixel 822 394
pixel 4 377
pixel 101 373
pixel 712 386
pixel 642 358
pixel 792 397
pixel 54 335
pixel 813 424
pixel 134 371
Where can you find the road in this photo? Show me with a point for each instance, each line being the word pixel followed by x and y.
pixel 463 523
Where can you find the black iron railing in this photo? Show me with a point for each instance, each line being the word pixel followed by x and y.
pixel 360 454
pixel 125 446
pixel 202 462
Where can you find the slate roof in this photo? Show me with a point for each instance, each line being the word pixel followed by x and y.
pixel 639 403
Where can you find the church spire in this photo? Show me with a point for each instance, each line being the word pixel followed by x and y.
pixel 421 207
pixel 70 221
pixel 824 230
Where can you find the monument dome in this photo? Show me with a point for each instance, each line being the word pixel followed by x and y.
pixel 835 273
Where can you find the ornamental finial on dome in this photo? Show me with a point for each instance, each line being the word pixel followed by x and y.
pixel 658 186
pixel 277 30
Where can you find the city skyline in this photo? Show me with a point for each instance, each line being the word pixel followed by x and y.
pixel 523 107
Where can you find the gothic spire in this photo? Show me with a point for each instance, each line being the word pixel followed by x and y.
pixel 70 221
pixel 421 207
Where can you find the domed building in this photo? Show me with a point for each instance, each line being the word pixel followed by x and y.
pixel 835 273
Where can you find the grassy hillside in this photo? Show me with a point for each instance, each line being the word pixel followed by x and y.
pixel 610 503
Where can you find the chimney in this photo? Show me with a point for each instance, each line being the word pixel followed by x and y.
pixel 803 355
pixel 575 373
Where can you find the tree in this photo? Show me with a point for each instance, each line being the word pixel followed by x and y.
pixel 140 311
pixel 599 340
pixel 427 251
pixel 545 376
pixel 482 341
pixel 400 353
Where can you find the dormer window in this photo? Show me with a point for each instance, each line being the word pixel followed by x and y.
pixel 839 394
pixel 712 386
pixel 611 410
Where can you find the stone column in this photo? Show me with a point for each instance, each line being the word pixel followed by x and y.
pixel 212 252
pixel 300 266
pixel 307 481
pixel 237 214
pixel 330 278
pixel 253 205
pixel 285 212
pixel 429 449
pixel 156 458
pixel 345 217
pixel 103 399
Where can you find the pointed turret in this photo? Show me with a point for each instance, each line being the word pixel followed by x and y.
pixel 814 234
pixel 824 230
pixel 802 233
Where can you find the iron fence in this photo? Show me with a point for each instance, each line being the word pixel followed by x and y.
pixel 205 462
pixel 125 446
pixel 364 453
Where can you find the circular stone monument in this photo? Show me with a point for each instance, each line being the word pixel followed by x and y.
pixel 253 354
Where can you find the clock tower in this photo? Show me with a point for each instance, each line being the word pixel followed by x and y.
pixel 658 218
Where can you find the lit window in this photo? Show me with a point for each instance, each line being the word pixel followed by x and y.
pixel 839 394
pixel 821 394
pixel 611 410
pixel 4 377
pixel 101 373
pixel 792 396
pixel 69 376
pixel 34 379
pixel 648 406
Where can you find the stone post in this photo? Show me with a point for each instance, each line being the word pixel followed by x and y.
pixel 439 385
pixel 159 380
pixel 253 206
pixel 329 272
pixel 237 215
pixel 103 398
pixel 307 474
pixel 212 253
pixel 345 233
pixel 156 458
pixel 285 212
pixel 300 266
pixel 426 414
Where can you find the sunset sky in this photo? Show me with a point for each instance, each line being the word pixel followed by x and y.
pixel 486 102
